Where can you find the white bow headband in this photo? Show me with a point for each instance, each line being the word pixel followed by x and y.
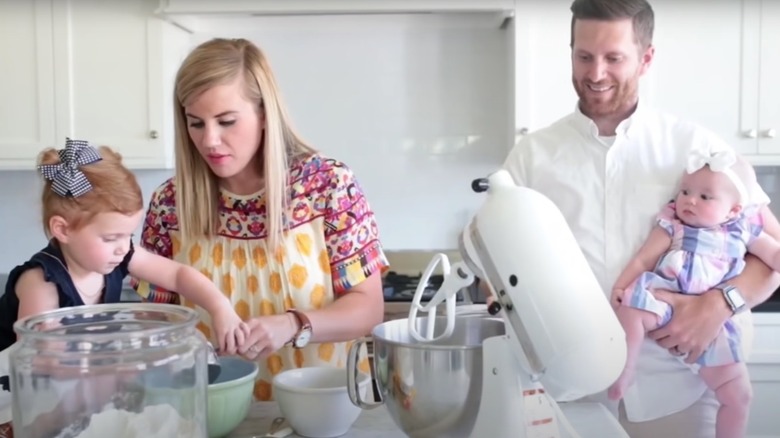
pixel 718 161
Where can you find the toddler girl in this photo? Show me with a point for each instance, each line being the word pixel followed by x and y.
pixel 91 206
pixel 699 243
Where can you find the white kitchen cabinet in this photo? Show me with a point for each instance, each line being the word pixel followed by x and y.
pixel 114 80
pixel 768 120
pixel 541 71
pixel 723 75
pixel 103 74
pixel 27 87
pixel 764 366
pixel 698 75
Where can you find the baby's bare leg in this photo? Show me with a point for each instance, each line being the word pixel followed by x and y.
pixel 731 384
pixel 635 323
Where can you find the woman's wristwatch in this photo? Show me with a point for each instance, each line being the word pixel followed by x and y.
pixel 303 336
pixel 734 299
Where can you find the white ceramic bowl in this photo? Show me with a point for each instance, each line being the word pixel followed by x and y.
pixel 315 402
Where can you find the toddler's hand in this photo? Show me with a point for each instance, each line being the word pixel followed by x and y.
pixel 242 335
pixel 231 331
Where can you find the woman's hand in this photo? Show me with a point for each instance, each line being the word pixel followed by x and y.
pixel 232 332
pixel 268 334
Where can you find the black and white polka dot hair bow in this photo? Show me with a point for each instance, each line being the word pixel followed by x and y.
pixel 67 179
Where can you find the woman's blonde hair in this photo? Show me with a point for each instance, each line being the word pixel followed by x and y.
pixel 219 62
pixel 114 190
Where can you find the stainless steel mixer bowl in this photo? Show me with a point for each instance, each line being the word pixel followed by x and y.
pixel 431 389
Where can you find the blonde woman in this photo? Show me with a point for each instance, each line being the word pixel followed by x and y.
pixel 284 231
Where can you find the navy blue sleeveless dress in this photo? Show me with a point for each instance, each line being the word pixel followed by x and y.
pixel 51 260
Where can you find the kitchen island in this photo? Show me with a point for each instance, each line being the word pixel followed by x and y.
pixel 590 419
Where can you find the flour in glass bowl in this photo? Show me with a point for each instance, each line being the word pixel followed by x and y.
pixel 156 421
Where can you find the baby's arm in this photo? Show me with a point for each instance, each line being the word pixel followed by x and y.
pixel 766 248
pixel 35 294
pixel 187 281
pixel 656 244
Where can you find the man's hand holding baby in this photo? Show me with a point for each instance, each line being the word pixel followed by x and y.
pixel 696 322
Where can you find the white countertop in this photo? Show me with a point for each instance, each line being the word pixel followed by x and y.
pixel 591 420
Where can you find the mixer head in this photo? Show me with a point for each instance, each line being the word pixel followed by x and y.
pixel 559 322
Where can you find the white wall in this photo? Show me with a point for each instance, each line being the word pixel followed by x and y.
pixel 417 123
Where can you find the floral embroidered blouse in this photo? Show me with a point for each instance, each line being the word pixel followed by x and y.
pixel 331 245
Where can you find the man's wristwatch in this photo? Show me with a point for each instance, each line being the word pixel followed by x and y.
pixel 734 299
pixel 302 337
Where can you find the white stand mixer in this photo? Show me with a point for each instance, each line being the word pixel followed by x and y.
pixel 563 340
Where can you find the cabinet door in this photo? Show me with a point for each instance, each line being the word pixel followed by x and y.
pixel 763 421
pixel 708 73
pixel 764 368
pixel 542 64
pixel 27 88
pixel 769 83
pixel 109 79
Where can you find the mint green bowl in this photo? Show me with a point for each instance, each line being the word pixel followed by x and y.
pixel 230 396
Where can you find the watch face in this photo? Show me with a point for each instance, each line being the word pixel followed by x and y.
pixel 736 298
pixel 303 339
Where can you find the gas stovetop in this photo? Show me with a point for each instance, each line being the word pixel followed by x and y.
pixel 401 287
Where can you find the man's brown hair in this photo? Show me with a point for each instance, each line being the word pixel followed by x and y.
pixel 639 11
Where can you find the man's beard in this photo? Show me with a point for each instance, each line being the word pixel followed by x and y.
pixel 622 97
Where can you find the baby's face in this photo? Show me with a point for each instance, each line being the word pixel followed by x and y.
pixel 706 199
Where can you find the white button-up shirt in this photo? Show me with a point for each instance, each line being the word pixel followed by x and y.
pixel 610 191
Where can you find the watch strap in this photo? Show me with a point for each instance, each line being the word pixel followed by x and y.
pixel 304 324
